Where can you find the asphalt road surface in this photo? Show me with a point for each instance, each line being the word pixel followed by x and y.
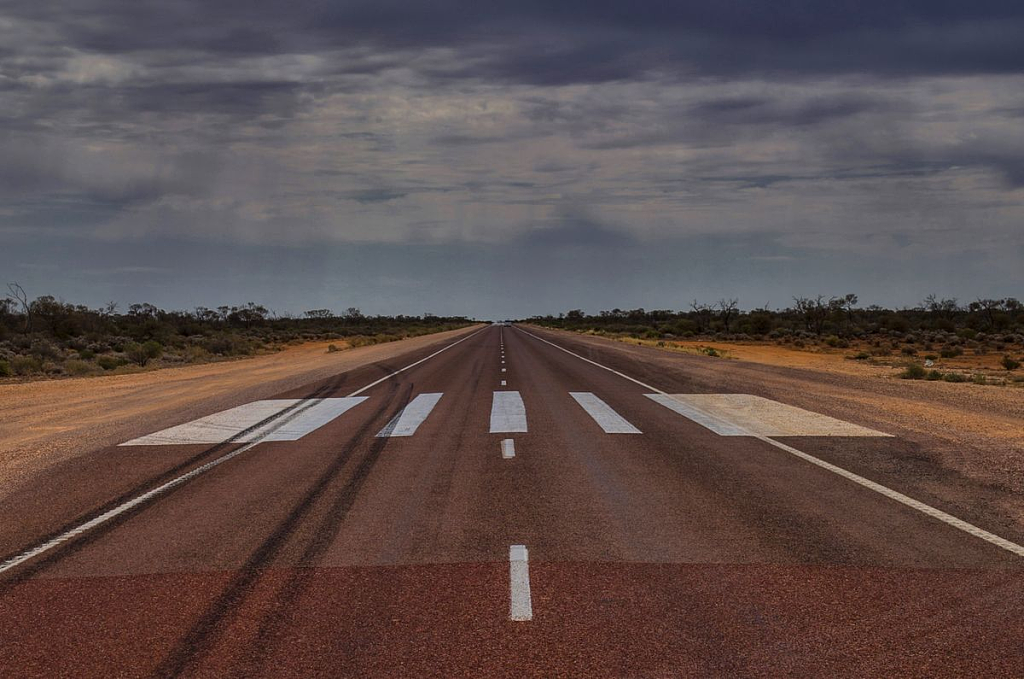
pixel 511 503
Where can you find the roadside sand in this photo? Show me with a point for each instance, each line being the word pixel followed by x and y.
pixel 828 359
pixel 46 422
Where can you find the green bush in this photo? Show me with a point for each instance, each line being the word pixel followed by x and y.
pixel 954 377
pixel 1010 363
pixel 862 356
pixel 979 379
pixel 332 348
pixel 109 362
pixel 934 376
pixel 77 368
pixel 25 365
pixel 914 371
pixel 142 354
pixel 5 369
pixel 951 352
pixel 86 354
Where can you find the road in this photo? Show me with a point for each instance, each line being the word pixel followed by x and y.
pixel 510 503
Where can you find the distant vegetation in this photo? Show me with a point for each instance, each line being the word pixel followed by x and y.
pixel 47 336
pixel 934 330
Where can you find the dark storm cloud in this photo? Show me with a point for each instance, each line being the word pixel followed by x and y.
pixel 677 126
pixel 579 41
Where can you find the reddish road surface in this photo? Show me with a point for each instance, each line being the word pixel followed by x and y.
pixel 379 534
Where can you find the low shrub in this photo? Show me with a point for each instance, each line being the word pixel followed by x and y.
pixel 934 376
pixel 26 365
pixel 110 362
pixel 954 377
pixel 914 371
pixel 332 348
pixel 1009 362
pixel 5 369
pixel 77 368
pixel 979 379
pixel 951 352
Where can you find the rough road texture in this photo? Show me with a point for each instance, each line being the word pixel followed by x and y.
pixel 675 552
pixel 46 422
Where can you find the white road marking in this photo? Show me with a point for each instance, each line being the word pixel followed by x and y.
pixel 504 383
pixel 520 607
pixel 746 414
pixel 128 505
pixel 502 370
pixel 606 418
pixel 229 424
pixel 409 419
pixel 508 448
pixel 905 500
pixel 508 414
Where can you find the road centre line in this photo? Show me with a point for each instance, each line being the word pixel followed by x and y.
pixel 128 505
pixel 905 500
pixel 508 413
pixel 520 607
pixel 508 449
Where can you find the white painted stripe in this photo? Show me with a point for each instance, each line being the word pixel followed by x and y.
pixel 750 415
pixel 520 607
pixel 502 370
pixel 720 427
pixel 508 413
pixel 905 500
pixel 508 448
pixel 229 424
pixel 504 383
pixel 44 547
pixel 408 420
pixel 606 418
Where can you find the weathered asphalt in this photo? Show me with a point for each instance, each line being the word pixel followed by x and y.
pixel 670 553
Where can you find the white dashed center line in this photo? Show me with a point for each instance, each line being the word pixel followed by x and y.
pixel 508 414
pixel 520 604
pixel 508 448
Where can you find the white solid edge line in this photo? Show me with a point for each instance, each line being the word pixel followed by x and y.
pixel 508 449
pixel 905 500
pixel 58 540
pixel 520 608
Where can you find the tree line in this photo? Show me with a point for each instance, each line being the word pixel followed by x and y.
pixel 48 335
pixel 839 315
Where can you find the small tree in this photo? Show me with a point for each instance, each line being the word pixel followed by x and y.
pixel 727 311
pixel 20 298
pixel 701 314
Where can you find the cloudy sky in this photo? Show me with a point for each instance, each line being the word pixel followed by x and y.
pixel 505 159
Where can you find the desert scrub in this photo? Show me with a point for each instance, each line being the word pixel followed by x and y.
pixel 77 368
pixel 914 371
